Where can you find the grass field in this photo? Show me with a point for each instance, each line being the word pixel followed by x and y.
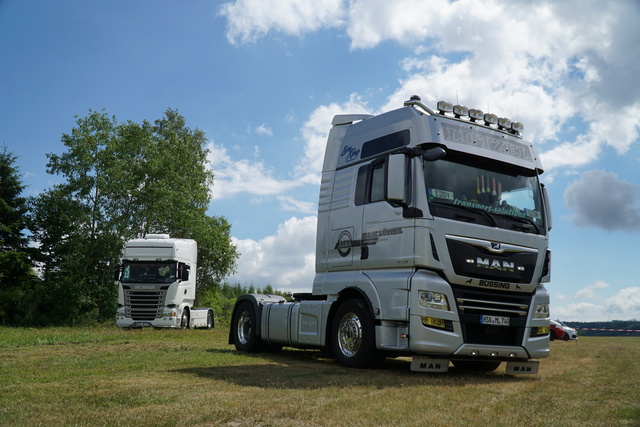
pixel 108 376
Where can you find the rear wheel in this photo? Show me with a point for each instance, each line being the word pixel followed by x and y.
pixel 244 328
pixel 210 321
pixel 353 336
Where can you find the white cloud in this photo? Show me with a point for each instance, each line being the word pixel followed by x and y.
pixel 234 176
pixel 315 132
pixel 243 176
pixel 264 130
pixel 625 304
pixel 543 64
pixel 590 292
pixel 288 203
pixel 580 312
pixel 249 20
pixel 285 260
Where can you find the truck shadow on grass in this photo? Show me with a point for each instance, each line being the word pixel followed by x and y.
pixel 311 369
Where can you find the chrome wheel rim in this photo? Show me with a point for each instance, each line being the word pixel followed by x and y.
pixel 349 335
pixel 244 327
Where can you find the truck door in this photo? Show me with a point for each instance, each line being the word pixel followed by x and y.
pixel 387 237
pixel 345 223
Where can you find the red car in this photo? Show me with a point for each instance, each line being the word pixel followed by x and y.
pixel 556 331
pixel 561 331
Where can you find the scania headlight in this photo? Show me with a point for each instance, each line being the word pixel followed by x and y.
pixel 433 300
pixel 542 311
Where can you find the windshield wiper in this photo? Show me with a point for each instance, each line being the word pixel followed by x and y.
pixel 522 220
pixel 487 214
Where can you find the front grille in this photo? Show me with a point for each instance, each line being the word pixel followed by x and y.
pixel 144 304
pixel 473 258
pixel 473 304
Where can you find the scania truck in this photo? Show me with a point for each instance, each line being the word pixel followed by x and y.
pixel 432 243
pixel 157 284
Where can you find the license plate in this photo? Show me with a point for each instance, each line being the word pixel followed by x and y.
pixel 141 325
pixel 494 320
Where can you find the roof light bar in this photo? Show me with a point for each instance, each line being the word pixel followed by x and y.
pixel 490 119
pixel 460 111
pixel 504 123
pixel 517 127
pixel 475 114
pixel 444 107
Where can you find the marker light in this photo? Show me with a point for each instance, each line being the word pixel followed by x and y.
pixel 475 114
pixel 504 123
pixel 460 111
pixel 490 119
pixel 444 107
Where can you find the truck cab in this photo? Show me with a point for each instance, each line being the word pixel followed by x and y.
pixel 157 284
pixel 432 242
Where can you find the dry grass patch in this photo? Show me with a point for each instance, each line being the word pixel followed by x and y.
pixel 107 376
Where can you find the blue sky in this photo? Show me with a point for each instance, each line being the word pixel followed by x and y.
pixel 263 78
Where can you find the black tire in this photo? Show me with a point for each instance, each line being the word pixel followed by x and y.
pixel 566 337
pixel 353 339
pixel 243 328
pixel 476 366
pixel 210 319
pixel 552 335
pixel 184 319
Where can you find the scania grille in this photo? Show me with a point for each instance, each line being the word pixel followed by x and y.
pixel 473 305
pixel 144 304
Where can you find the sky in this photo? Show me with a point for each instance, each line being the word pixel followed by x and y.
pixel 263 79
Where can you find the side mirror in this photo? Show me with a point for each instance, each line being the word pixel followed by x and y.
pixel 396 178
pixel 433 154
pixel 547 206
pixel 116 274
pixel 183 271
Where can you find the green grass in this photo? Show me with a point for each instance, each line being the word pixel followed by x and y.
pixel 109 376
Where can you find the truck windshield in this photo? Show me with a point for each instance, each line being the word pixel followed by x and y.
pixel 148 272
pixel 484 192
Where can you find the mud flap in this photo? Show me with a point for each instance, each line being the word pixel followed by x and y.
pixel 530 367
pixel 427 364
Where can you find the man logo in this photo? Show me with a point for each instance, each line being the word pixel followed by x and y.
pixel 344 244
pixel 495 246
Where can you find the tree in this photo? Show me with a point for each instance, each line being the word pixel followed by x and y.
pixel 124 181
pixel 16 267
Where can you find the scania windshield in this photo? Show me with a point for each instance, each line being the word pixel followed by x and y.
pixel 148 272
pixel 486 192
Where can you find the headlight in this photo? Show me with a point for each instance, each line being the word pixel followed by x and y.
pixel 542 311
pixel 433 300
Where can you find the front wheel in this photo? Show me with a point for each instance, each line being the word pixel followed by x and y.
pixel 353 336
pixel 184 319
pixel 243 328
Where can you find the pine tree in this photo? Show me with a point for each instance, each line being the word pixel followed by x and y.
pixel 16 271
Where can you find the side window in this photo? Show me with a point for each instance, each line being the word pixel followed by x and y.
pixel 376 188
pixel 370 185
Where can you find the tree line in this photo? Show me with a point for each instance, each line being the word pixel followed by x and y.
pixel 119 181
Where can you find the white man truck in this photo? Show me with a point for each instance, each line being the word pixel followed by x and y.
pixel 432 243
pixel 157 284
